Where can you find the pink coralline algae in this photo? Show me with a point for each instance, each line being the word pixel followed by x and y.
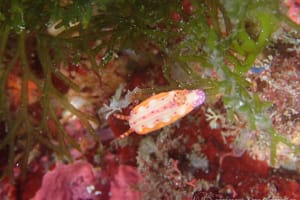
pixel 293 10
pixel 125 183
pixel 68 182
pixel 80 181
pixel 7 190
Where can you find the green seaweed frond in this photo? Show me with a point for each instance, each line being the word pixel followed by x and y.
pixel 226 37
pixel 20 125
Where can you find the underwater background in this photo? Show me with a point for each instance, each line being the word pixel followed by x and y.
pixel 76 75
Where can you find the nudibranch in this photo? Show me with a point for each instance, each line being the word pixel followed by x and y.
pixel 161 110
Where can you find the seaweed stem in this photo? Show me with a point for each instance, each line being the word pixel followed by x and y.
pixel 3 40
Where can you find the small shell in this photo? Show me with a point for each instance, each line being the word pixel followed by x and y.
pixel 163 109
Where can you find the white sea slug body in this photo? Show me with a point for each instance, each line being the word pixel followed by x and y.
pixel 161 110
